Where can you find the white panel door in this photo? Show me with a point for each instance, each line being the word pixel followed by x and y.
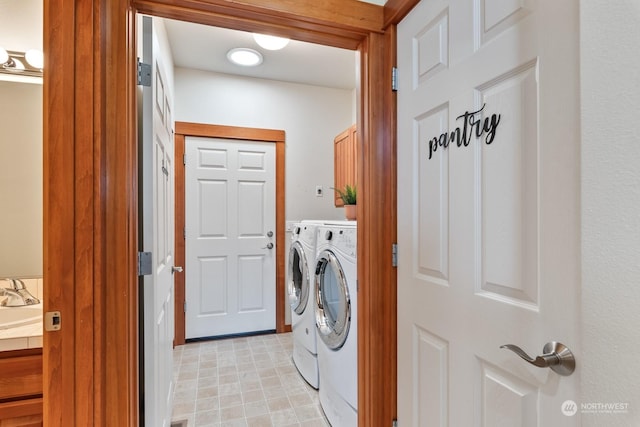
pixel 157 229
pixel 230 237
pixel 488 218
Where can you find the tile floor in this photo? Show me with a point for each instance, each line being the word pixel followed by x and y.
pixel 249 381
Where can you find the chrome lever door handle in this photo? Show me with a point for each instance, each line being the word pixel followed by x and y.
pixel 175 269
pixel 555 356
pixel 269 246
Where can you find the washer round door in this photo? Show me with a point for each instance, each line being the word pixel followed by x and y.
pixel 333 308
pixel 298 282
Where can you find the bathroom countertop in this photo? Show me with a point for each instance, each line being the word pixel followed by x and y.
pixel 28 335
pixel 23 337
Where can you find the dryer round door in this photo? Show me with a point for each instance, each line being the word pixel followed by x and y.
pixel 333 308
pixel 298 281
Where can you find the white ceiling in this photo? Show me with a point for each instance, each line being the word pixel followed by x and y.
pixel 205 48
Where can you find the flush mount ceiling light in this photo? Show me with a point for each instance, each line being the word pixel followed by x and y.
pixel 245 57
pixel 270 42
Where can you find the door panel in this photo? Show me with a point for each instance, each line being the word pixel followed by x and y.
pixel 212 284
pixel 509 193
pixel 251 284
pixel 230 209
pixel 251 205
pixel 213 209
pixel 487 191
pixel 157 229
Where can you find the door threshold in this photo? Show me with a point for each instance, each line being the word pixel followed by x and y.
pixel 224 337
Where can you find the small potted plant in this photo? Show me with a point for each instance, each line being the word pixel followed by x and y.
pixel 349 198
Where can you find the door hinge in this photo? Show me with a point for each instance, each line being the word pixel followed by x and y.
pixel 184 233
pixel 394 255
pixel 144 74
pixel 184 159
pixel 184 307
pixel 144 263
pixel 394 423
pixel 394 79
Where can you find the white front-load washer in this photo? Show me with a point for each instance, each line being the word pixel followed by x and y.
pixel 301 291
pixel 336 315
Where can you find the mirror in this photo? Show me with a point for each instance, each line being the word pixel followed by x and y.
pixel 21 148
pixel 21 174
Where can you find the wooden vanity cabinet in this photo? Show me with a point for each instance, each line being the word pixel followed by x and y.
pixel 344 162
pixel 21 388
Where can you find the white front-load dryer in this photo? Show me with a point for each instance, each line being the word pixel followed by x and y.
pixel 336 322
pixel 301 291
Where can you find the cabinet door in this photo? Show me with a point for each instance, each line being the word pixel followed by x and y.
pixel 21 413
pixel 344 157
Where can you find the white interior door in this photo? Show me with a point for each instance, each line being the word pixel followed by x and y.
pixel 157 225
pixel 230 237
pixel 488 226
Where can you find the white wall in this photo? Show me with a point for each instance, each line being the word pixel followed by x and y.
pixel 610 90
pixel 311 117
pixel 21 24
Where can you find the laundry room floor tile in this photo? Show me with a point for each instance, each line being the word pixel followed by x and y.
pixel 248 381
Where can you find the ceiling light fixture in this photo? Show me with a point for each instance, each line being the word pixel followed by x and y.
pixel 245 57
pixel 270 42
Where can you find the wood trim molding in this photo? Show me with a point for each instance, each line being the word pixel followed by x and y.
pixel 339 23
pixel 69 207
pixel 180 244
pixel 118 237
pixel 396 10
pixel 377 301
pixel 230 132
pixel 90 210
pixel 184 129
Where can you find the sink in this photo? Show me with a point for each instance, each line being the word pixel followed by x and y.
pixel 13 317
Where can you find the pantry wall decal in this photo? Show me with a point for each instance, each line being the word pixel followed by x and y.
pixel 472 123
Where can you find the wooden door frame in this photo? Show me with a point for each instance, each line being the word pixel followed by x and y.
pixel 90 194
pixel 239 134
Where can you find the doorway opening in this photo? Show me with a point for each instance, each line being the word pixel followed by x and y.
pixel 310 102
pixel 91 168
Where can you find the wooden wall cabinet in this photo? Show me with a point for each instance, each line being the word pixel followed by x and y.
pixel 344 162
pixel 21 388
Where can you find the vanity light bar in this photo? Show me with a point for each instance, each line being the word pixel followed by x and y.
pixel 16 64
